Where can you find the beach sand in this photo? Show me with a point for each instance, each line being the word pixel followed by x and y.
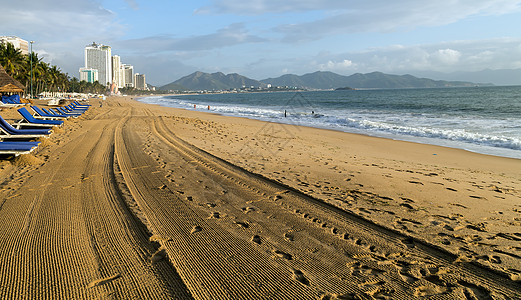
pixel 137 201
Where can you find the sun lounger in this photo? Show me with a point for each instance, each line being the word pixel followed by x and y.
pixel 51 112
pixel 17 148
pixel 14 99
pixel 73 109
pixel 30 121
pixel 60 110
pixel 40 114
pixel 7 131
pixel 10 101
pixel 80 105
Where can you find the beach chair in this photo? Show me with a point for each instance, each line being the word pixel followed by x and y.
pixel 60 110
pixel 9 101
pixel 17 148
pixel 51 112
pixel 77 103
pixel 14 99
pixel 7 131
pixel 29 121
pixel 40 114
pixel 71 108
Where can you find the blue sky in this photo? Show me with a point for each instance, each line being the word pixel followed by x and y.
pixel 168 39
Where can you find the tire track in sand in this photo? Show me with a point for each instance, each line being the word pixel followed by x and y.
pixel 75 240
pixel 213 263
pixel 378 252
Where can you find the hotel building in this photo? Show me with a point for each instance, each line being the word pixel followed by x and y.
pixel 128 75
pixel 139 81
pixel 89 75
pixel 99 57
pixel 17 42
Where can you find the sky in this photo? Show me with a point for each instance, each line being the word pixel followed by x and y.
pixel 169 39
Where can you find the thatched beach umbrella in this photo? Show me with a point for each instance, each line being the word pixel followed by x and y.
pixel 8 84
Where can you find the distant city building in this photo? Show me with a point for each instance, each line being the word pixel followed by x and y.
pixel 128 75
pixel 17 42
pixel 139 81
pixel 117 73
pixel 89 75
pixel 99 57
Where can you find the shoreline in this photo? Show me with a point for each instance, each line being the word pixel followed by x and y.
pixel 204 111
pixel 148 201
pixel 447 143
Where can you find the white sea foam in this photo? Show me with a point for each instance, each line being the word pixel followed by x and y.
pixel 493 136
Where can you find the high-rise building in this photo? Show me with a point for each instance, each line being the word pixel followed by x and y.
pixel 139 81
pixel 89 75
pixel 128 75
pixel 117 76
pixel 99 57
pixel 17 42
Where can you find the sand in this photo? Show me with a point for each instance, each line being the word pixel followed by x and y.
pixel 136 201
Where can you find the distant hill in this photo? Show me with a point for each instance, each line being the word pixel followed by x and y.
pixel 172 87
pixel 375 80
pixel 317 80
pixel 496 77
pixel 199 81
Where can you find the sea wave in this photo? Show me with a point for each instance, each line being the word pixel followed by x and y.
pixel 437 127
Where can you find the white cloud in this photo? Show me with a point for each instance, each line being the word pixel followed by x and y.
pixel 343 65
pixel 447 56
pixel 501 53
pixel 231 35
pixel 355 16
pixel 361 6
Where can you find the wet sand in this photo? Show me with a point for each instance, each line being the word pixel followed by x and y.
pixel 140 201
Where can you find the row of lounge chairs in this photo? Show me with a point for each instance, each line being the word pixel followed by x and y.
pixel 13 100
pixel 18 138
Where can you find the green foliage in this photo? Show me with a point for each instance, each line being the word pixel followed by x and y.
pixel 46 78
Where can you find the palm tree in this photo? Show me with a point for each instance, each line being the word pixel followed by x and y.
pixel 45 77
pixel 12 60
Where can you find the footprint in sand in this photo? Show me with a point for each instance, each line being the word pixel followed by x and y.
pixel 256 239
pixel 407 205
pixel 282 254
pixel 416 182
pixel 242 224
pixel 299 276
pixel 159 255
pixel 195 229
pixel 358 268
pixel 289 236
pixel 475 292
pixel 247 209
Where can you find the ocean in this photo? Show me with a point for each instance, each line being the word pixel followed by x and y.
pixel 480 119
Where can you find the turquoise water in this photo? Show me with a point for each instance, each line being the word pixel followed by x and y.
pixel 480 119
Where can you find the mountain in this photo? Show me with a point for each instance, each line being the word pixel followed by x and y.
pixel 496 77
pixel 318 80
pixel 375 80
pixel 172 87
pixel 199 81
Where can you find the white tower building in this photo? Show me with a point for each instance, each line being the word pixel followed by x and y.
pixel 99 57
pixel 128 74
pixel 117 73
